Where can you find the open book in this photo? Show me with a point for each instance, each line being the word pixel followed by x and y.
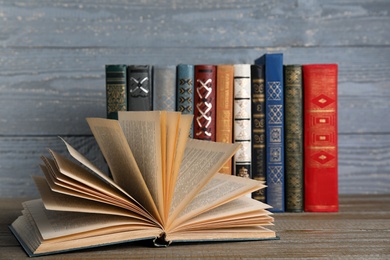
pixel 164 187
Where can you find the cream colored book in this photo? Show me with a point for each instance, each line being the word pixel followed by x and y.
pixel 165 187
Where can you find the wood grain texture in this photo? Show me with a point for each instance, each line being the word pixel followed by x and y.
pixel 359 231
pixel 52 57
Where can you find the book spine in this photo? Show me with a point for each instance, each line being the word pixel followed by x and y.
pixel 274 123
pixel 116 90
pixel 185 90
pixel 164 88
pixel 204 101
pixel 258 128
pixel 320 137
pixel 224 112
pixel 242 119
pixel 140 88
pixel 293 103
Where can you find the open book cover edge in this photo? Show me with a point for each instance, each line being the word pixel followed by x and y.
pixel 156 241
pixel 31 254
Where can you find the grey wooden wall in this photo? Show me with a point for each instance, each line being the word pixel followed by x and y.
pixel 52 57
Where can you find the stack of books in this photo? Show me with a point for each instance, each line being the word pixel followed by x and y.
pixel 283 115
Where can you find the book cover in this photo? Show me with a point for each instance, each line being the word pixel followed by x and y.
pixel 180 200
pixel 258 128
pixel 274 106
pixel 293 103
pixel 242 119
pixel 224 112
pixel 205 102
pixel 140 88
pixel 164 87
pixel 116 89
pixel 320 137
pixel 185 90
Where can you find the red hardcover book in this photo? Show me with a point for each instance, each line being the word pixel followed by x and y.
pixel 204 102
pixel 320 137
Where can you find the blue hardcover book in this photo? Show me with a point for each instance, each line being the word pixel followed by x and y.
pixel 274 115
pixel 185 90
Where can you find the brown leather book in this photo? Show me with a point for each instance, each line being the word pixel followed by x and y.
pixel 204 102
pixel 224 120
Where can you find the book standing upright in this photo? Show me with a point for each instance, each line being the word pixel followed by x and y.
pixel 320 137
pixel 258 128
pixel 224 111
pixel 274 101
pixel 140 88
pixel 164 87
pixel 185 90
pixel 242 119
pixel 205 102
pixel 293 137
pixel 116 89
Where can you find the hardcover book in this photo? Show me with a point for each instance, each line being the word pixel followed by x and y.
pixel 205 102
pixel 164 87
pixel 185 90
pixel 242 119
pixel 116 90
pixel 163 190
pixel 140 88
pixel 293 103
pixel 274 123
pixel 320 137
pixel 258 128
pixel 224 117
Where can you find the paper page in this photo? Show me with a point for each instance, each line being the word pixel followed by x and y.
pixel 143 134
pixel 60 202
pixel 82 180
pixel 70 187
pixel 172 126
pixel 98 173
pixel 53 224
pixel 58 230
pixel 236 212
pixel 224 234
pixel 113 144
pixel 221 189
pixel 183 135
pixel 201 161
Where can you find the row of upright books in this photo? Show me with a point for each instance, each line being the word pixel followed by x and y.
pixel 285 117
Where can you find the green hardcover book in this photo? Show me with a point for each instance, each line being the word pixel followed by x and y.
pixel 293 138
pixel 258 129
pixel 116 93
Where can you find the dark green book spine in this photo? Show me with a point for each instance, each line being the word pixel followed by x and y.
pixel 116 92
pixel 293 138
pixel 258 129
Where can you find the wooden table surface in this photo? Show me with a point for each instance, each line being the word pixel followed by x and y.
pixel 360 230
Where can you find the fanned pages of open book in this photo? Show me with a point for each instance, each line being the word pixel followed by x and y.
pixel 165 187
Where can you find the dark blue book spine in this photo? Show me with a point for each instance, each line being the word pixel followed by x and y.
pixel 185 90
pixel 274 99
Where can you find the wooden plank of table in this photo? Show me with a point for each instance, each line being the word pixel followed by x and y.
pixel 361 230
